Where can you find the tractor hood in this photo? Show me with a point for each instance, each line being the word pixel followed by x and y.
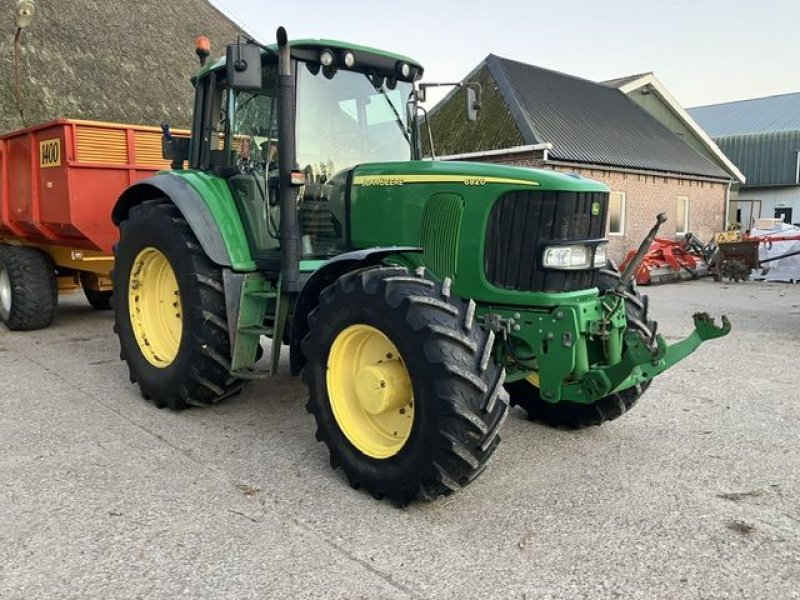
pixel 469 174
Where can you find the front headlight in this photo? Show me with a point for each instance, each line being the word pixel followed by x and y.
pixel 567 257
pixel 600 256
pixel 574 257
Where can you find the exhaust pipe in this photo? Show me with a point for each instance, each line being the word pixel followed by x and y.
pixel 287 162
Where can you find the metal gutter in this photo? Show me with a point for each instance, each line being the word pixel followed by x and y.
pixel 546 147
pixel 635 171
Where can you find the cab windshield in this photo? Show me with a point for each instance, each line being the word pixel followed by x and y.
pixel 350 118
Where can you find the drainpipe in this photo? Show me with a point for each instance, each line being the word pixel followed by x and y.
pixel 727 205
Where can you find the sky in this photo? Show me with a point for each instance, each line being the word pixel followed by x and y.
pixel 703 51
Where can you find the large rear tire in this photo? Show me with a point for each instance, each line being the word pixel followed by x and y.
pixel 402 384
pixel 28 289
pixel 573 415
pixel 169 310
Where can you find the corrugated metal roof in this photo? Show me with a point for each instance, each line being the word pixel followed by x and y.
pixel 765 158
pixel 589 122
pixel 620 81
pixel 757 115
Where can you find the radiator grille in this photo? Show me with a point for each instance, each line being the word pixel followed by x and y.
pixel 520 226
pixel 439 233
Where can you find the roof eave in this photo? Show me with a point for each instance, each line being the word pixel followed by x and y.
pixel 685 118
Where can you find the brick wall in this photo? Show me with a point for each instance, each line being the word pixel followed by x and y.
pixel 646 195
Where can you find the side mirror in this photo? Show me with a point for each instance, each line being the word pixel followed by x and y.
pixel 473 103
pixel 244 66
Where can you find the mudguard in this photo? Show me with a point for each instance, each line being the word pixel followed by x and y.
pixel 206 204
pixel 322 278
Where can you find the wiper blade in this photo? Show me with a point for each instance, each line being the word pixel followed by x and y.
pixel 397 118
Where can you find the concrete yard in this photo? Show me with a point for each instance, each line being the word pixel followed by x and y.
pixel 694 494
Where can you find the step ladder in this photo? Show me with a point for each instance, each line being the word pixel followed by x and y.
pixel 262 310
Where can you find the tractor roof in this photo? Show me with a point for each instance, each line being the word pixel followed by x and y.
pixel 321 44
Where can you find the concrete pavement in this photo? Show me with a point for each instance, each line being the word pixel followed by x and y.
pixel 694 494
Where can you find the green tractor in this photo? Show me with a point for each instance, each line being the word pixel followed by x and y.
pixel 418 298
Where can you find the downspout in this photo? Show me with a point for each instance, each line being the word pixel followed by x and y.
pixel 727 205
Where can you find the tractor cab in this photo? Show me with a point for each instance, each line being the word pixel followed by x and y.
pixel 347 105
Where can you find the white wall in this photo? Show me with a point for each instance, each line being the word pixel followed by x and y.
pixel 771 198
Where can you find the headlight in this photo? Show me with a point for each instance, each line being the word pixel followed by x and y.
pixel 574 257
pixel 600 256
pixel 326 58
pixel 567 257
pixel 403 69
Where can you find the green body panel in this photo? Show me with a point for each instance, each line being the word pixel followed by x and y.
pixel 217 196
pixel 388 207
pixel 576 343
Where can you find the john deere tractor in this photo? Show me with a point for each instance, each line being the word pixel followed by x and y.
pixel 417 298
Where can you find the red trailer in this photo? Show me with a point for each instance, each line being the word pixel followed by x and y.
pixel 58 184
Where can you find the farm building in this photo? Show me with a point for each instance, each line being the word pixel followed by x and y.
pixel 537 117
pixel 762 136
pixel 108 61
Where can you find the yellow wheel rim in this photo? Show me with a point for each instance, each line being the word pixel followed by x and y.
pixel 370 391
pixel 154 303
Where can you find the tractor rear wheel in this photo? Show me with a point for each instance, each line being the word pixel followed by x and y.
pixel 28 289
pixel 402 384
pixel 573 415
pixel 169 310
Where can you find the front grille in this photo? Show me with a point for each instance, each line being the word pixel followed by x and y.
pixel 520 226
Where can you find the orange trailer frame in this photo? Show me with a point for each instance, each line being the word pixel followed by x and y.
pixel 58 184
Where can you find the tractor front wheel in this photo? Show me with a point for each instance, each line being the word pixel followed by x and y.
pixel 402 384
pixel 573 415
pixel 169 310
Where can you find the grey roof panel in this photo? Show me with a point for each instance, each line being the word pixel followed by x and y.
pixel 618 82
pixel 589 122
pixel 766 159
pixel 757 115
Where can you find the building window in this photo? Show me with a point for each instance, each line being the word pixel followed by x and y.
pixel 616 213
pixel 682 215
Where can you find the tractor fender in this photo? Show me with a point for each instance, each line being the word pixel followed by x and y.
pixel 188 201
pixel 308 298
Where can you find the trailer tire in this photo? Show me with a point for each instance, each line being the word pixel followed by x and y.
pixel 28 288
pixel 453 391
pixel 573 415
pixel 98 300
pixel 186 358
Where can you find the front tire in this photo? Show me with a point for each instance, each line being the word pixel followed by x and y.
pixel 169 310
pixel 402 384
pixel 573 415
pixel 28 289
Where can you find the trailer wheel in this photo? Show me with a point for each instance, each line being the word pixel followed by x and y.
pixel 169 310
pixel 401 384
pixel 573 415
pixel 98 300
pixel 28 289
